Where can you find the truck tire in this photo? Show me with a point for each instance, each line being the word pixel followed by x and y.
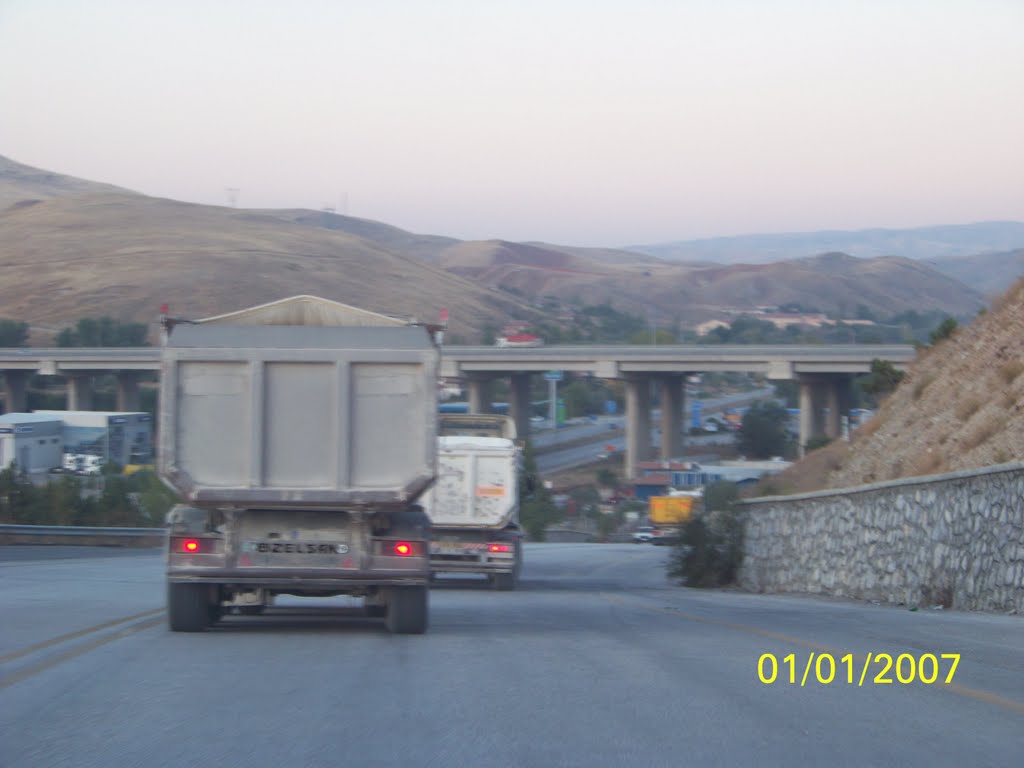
pixel 504 582
pixel 188 607
pixel 407 611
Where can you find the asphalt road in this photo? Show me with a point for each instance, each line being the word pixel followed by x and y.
pixel 555 458
pixel 595 661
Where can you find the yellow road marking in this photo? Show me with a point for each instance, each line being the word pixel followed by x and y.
pixel 73 635
pixel 78 650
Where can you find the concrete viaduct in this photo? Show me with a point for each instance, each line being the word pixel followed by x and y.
pixel 823 373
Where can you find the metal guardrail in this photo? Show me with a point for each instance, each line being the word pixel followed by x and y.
pixel 79 530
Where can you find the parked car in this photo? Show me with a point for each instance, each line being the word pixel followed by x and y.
pixel 643 535
pixel 664 536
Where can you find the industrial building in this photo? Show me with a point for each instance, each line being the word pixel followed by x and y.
pixel 33 441
pixel 657 477
pixel 124 438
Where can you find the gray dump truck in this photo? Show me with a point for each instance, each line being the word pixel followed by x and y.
pixel 300 435
pixel 474 505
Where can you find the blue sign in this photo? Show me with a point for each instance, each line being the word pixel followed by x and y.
pixel 553 375
pixel 695 411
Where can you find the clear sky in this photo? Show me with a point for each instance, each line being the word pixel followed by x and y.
pixel 581 122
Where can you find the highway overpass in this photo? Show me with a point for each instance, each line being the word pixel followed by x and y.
pixel 823 372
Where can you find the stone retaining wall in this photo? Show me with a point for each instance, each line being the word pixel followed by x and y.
pixel 955 539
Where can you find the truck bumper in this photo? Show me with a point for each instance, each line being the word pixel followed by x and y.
pixel 441 564
pixel 274 578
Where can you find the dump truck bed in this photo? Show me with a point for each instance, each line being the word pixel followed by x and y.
pixel 476 483
pixel 298 416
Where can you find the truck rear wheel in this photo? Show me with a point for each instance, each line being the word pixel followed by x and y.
pixel 407 611
pixel 188 607
pixel 504 582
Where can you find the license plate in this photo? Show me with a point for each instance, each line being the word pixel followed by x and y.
pixel 295 548
pixel 455 547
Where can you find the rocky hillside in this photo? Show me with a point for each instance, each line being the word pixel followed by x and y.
pixel 960 406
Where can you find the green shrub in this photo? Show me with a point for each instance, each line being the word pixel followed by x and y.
pixel 710 548
pixel 816 442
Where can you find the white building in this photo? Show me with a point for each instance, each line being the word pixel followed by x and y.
pixel 32 441
pixel 124 438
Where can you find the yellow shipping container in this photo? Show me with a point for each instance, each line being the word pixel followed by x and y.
pixel 671 510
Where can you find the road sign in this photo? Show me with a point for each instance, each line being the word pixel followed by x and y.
pixel 553 375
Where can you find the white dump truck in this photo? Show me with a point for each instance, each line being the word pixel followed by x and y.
pixel 474 505
pixel 300 435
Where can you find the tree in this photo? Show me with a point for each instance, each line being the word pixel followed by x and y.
pixel 536 509
pixel 709 552
pixel 721 496
pixel 583 397
pixel 883 379
pixel 13 333
pixel 662 337
pixel 763 431
pixel 816 442
pixel 103 332
pixel 943 330
pixel 489 334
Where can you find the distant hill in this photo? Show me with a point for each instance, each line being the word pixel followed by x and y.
pixel 20 183
pixel 959 240
pixel 989 273
pixel 123 255
pixel 835 283
pixel 71 248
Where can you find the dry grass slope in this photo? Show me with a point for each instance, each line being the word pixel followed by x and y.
pixel 124 255
pixel 70 247
pixel 961 406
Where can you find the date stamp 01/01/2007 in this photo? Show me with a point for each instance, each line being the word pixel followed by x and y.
pixel 874 669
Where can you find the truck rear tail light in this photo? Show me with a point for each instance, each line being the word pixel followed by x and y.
pixel 400 548
pixel 499 548
pixel 193 546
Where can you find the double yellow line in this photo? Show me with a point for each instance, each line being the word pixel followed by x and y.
pixel 145 619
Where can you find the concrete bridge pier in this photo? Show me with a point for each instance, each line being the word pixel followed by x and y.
pixel 15 388
pixel 128 391
pixel 638 422
pixel 673 401
pixel 478 390
pixel 519 403
pixel 80 392
pixel 824 399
